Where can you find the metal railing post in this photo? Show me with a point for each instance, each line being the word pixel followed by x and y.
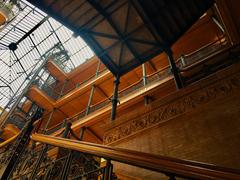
pixel 174 70
pixel 82 130
pixel 67 129
pixel 39 161
pixel 115 98
pixel 48 121
pixel 68 161
pixel 44 149
pixel 108 170
pixel 98 67
pixel 144 75
pixel 90 99
pixel 63 88
pixel 144 78
pixel 92 90
pixel 183 60
pixel 21 144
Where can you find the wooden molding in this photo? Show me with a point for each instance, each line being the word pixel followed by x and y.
pixel 160 112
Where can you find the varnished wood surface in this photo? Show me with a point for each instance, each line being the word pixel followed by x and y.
pixel 55 71
pixel 158 163
pixel 9 131
pixel 8 141
pixel 76 100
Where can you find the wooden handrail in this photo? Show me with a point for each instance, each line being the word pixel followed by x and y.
pixel 167 165
pixel 208 58
pixel 204 47
pixel 3 144
pixel 150 75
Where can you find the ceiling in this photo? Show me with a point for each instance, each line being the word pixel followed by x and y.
pixel 123 34
pixel 126 33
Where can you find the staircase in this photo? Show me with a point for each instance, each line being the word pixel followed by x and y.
pixel 48 157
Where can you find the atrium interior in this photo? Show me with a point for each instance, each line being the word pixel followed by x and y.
pixel 128 90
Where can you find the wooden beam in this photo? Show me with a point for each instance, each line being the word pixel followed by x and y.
pixel 101 91
pixel 152 66
pixel 163 164
pixel 93 134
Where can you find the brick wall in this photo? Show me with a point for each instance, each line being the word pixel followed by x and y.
pixel 206 129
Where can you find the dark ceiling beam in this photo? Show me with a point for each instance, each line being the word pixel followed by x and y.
pixel 87 37
pixel 124 32
pixel 3 44
pixel 110 36
pixel 102 53
pixel 157 35
pixel 32 30
pixel 111 22
pixel 100 21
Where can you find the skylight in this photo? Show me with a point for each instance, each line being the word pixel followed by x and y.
pixel 16 66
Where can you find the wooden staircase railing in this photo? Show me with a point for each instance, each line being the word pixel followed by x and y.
pixel 163 164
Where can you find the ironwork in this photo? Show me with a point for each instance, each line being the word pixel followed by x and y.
pixel 20 146
pixel 174 70
pixel 115 98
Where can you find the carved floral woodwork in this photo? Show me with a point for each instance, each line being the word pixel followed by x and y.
pixel 162 112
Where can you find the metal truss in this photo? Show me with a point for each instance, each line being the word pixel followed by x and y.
pixel 25 40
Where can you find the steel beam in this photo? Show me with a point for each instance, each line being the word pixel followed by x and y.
pixel 144 78
pixel 90 100
pixel 175 70
pixel 21 144
pixel 24 91
pixel 63 88
pixel 68 161
pixel 108 170
pixel 48 121
pixel 115 98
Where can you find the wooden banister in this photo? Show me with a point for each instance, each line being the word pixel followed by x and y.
pixel 5 143
pixel 167 165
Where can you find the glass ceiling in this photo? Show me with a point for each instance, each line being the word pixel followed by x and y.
pixel 16 66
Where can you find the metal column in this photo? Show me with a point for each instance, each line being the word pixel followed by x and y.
pixel 98 67
pixel 21 144
pixel 174 70
pixel 108 170
pixel 115 98
pixel 23 93
pixel 68 161
pixel 90 99
pixel 92 90
pixel 144 78
pixel 63 88
pixel 48 121
pixel 39 161
pixel 67 129
pixel 44 149
pixel 82 130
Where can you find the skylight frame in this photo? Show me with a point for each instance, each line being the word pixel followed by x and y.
pixel 31 49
